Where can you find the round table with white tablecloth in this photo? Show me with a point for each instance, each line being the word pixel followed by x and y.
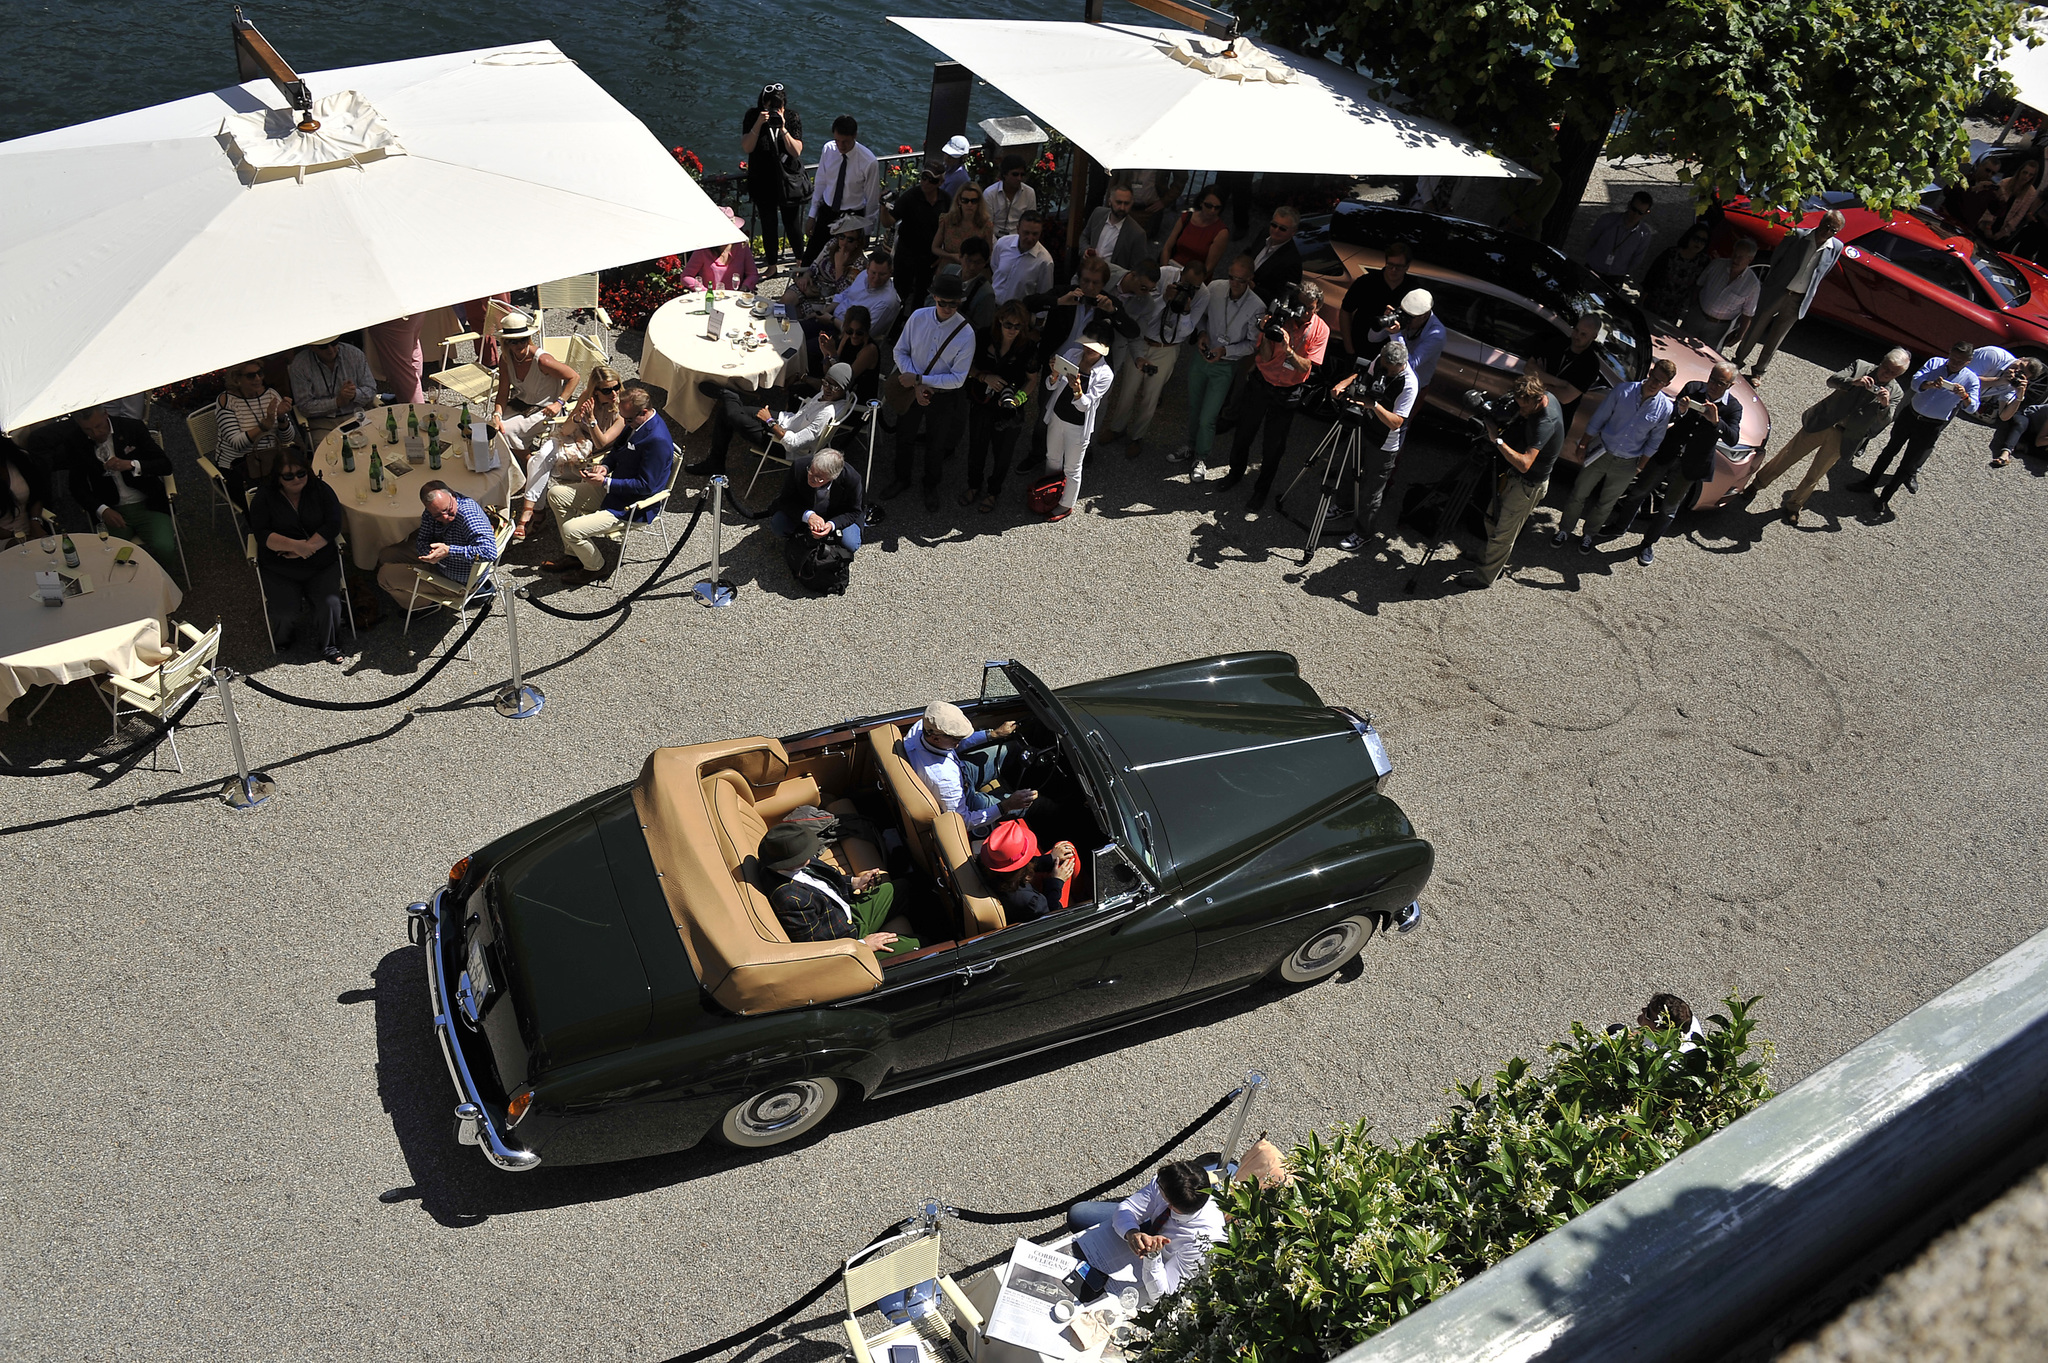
pixel 377 520
pixel 680 353
pixel 118 627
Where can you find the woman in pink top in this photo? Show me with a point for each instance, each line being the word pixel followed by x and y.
pixel 724 267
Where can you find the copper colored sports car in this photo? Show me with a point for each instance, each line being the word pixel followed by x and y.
pixel 1505 299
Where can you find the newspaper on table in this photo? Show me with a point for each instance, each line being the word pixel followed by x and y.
pixel 1023 1310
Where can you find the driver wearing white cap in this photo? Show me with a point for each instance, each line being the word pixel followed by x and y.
pixel 331 382
pixel 1424 334
pixel 531 383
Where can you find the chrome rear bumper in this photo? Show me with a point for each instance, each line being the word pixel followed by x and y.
pixel 473 1123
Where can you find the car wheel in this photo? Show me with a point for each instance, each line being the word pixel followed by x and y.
pixel 1327 952
pixel 779 1114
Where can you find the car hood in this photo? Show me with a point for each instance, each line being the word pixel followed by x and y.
pixel 1694 362
pixel 1225 778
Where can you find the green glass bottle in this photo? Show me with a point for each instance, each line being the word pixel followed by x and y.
pixel 348 454
pixel 433 453
pixel 463 424
pixel 433 427
pixel 376 472
pixel 70 553
pixel 412 422
pixel 390 427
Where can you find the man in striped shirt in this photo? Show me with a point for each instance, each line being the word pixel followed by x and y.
pixel 454 534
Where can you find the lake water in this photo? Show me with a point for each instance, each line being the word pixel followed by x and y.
pixel 688 70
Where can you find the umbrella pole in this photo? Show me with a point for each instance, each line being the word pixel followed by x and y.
pixel 1076 216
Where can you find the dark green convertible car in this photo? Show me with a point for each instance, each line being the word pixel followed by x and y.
pixel 609 982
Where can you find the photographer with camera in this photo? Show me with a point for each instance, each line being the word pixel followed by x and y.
pixel 1379 394
pixel 1526 440
pixel 999 387
pixel 772 141
pixel 1292 340
pixel 1704 416
pixel 1418 326
pixel 1073 395
pixel 1148 362
pixel 1627 430
pixel 1374 299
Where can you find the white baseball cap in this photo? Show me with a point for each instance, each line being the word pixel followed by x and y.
pixel 1416 302
pixel 956 145
pixel 840 374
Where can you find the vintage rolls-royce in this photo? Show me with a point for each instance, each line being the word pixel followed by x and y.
pixel 610 982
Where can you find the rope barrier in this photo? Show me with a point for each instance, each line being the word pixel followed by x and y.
pixel 140 747
pixel 630 597
pixel 763 1326
pixel 483 614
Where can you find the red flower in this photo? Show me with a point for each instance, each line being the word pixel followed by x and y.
pixel 903 147
pixel 743 165
pixel 669 264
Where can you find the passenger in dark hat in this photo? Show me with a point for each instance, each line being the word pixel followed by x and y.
pixel 815 903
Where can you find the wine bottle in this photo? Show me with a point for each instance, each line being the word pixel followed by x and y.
pixel 70 553
pixel 390 427
pixel 433 427
pixel 376 472
pixel 433 453
pixel 463 424
pixel 412 423
pixel 348 455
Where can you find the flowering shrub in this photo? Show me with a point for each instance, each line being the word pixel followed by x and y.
pixel 631 293
pixel 689 161
pixel 1366 1234
pixel 190 394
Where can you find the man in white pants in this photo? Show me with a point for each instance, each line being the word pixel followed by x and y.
pixel 1147 362
pixel 1071 402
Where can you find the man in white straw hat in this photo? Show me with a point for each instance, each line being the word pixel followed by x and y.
pixel 531 383
pixel 331 382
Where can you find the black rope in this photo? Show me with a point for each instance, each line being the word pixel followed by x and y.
pixel 831 1280
pixel 628 599
pixel 139 748
pixel 483 613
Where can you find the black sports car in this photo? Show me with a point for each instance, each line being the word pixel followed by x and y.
pixel 609 982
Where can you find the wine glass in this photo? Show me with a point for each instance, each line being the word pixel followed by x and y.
pixel 49 543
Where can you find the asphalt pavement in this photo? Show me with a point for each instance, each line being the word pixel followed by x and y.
pixel 1796 763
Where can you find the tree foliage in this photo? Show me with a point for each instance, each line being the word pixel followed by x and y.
pixel 1783 98
pixel 1367 1234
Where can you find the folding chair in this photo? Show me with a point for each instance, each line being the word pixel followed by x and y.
pixel 896 1265
pixel 262 597
pixel 766 455
pixel 642 514
pixel 204 426
pixel 164 690
pixel 171 491
pixel 434 591
pixel 473 382
pixel 577 293
pixel 579 354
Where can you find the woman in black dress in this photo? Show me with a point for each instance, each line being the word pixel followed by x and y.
pixel 1005 368
pixel 296 519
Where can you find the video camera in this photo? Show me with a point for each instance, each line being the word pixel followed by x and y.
pixel 1494 409
pixel 1353 403
pixel 1285 313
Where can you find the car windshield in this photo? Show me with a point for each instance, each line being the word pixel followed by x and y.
pixel 2000 277
pixel 1094 770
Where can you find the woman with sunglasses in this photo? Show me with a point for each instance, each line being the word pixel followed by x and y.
pixel 772 144
pixel 854 345
pixel 1005 368
pixel 834 269
pixel 590 429
pixel 1199 235
pixel 252 423
pixel 968 217
pixel 296 518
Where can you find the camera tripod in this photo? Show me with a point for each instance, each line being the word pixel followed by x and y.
pixel 1342 452
pixel 1452 495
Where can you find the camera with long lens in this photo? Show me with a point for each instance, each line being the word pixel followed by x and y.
pixel 1495 409
pixel 1282 315
pixel 1353 403
pixel 1181 296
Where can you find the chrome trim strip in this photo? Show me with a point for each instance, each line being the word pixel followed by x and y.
pixel 496 1148
pixel 1232 752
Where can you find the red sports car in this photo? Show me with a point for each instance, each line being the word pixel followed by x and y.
pixel 1916 281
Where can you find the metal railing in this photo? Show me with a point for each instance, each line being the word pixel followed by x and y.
pixel 899 172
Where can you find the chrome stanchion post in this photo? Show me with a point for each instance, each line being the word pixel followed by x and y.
pixel 246 789
pixel 715 590
pixel 516 700
pixel 1253 1082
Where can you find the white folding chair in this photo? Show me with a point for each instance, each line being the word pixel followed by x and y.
pixel 766 455
pixel 160 692
pixel 204 426
pixel 581 355
pixel 472 382
pixel 262 597
pixel 896 1265
pixel 577 293
pixel 171 491
pixel 641 515
pixel 433 591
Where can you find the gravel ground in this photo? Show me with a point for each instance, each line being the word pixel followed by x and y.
pixel 1795 763
pixel 1974 1296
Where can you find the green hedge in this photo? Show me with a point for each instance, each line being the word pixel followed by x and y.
pixel 1367 1234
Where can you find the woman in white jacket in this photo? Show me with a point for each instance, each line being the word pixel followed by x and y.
pixel 1074 395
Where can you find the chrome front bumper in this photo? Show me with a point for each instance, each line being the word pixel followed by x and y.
pixel 473 1124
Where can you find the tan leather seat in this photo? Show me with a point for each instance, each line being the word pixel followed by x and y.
pixel 938 838
pixel 702 826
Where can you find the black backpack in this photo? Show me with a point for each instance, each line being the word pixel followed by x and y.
pixel 821 565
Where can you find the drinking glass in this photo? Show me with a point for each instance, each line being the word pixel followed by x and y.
pixel 49 544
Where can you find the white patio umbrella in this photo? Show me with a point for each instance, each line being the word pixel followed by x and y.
pixel 1142 98
pixel 148 247
pixel 2028 67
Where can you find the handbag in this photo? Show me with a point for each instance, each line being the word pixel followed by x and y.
pixel 819 564
pixel 1045 498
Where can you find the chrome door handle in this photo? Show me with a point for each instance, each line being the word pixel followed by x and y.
pixel 975 972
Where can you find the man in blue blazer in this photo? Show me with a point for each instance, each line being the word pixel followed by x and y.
pixel 591 507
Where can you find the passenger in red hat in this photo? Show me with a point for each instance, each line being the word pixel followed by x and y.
pixel 1023 879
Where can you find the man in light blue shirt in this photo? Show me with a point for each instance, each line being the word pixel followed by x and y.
pixel 956 760
pixel 1627 429
pixel 1941 387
